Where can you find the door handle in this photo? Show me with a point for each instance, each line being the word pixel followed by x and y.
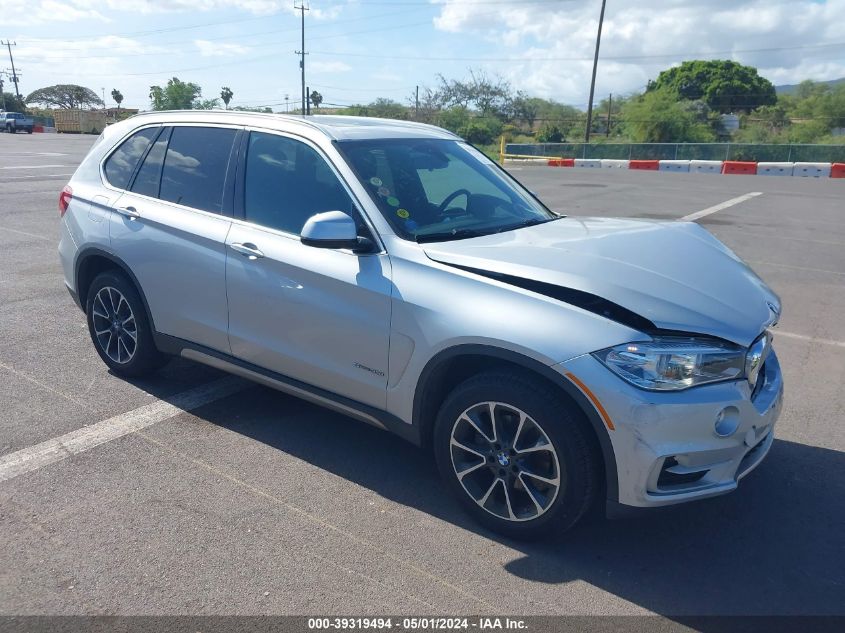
pixel 247 249
pixel 128 212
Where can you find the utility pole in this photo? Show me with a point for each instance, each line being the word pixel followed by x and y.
pixel 2 94
pixel 308 100
pixel 593 82
pixel 104 97
pixel 609 111
pixel 9 45
pixel 302 9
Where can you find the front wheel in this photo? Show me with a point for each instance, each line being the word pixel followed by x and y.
pixel 516 454
pixel 119 327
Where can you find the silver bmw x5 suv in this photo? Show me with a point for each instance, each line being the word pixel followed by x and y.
pixel 390 271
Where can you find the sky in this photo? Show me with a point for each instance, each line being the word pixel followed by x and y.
pixel 359 50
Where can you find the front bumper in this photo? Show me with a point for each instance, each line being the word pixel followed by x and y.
pixel 666 446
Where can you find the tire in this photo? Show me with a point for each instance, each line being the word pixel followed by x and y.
pixel 113 307
pixel 553 440
pixel 29 130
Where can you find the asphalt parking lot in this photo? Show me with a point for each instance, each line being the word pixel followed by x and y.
pixel 260 503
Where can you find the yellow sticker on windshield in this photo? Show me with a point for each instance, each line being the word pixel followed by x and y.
pixel 403 213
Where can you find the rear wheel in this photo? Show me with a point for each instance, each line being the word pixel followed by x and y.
pixel 119 328
pixel 516 455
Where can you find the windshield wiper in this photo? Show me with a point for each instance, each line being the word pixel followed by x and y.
pixel 462 234
pixel 530 222
pixel 454 234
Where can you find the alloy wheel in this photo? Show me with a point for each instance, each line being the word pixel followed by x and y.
pixel 114 325
pixel 505 461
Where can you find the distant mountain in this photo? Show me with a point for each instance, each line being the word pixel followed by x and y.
pixel 789 89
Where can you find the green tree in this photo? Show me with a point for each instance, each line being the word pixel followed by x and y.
pixel 176 95
pixel 226 94
pixel 387 109
pixel 11 103
pixel 491 96
pixel 65 96
pixel 205 104
pixel 316 98
pixel 724 85
pixel 265 109
pixel 525 109
pixel 658 117
pixel 551 133
pixel 117 96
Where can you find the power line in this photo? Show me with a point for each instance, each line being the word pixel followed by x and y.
pixel 582 59
pixel 368 18
pixel 261 45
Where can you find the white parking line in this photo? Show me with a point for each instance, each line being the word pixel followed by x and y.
pixel 791 267
pixel 40 237
pixel 34 457
pixel 722 205
pixel 32 166
pixel 811 339
pixel 17 178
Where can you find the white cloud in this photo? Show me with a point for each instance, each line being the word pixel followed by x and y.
pixel 72 51
pixel 207 48
pixel 641 38
pixel 328 67
pixel 22 12
pixel 25 12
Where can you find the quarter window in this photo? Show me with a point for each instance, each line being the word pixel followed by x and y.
pixel 195 167
pixel 149 175
pixel 121 164
pixel 287 182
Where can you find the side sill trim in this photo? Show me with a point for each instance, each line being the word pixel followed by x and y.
pixel 219 360
pixel 267 381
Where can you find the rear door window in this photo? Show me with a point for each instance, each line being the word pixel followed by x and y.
pixel 195 167
pixel 120 166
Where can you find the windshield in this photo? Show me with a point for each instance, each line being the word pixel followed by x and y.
pixel 432 190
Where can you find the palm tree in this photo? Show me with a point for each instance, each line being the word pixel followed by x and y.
pixel 118 98
pixel 226 94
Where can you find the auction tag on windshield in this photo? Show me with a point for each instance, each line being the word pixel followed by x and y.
pixel 375 181
pixel 403 213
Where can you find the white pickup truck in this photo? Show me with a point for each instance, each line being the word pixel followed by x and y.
pixel 15 122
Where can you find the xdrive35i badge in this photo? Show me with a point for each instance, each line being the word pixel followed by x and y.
pixel 377 372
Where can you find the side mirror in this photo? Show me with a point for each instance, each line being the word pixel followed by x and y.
pixel 334 229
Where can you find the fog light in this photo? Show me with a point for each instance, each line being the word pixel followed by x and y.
pixel 727 422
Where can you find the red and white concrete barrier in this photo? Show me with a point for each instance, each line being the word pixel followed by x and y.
pixel 705 166
pixel 674 165
pixel 812 170
pixel 590 163
pixel 733 167
pixel 614 163
pixel 775 169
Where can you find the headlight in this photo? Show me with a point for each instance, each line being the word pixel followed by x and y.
pixel 671 363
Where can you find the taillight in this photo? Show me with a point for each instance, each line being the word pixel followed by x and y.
pixel 64 200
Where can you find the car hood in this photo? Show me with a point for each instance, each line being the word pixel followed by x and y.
pixel 674 274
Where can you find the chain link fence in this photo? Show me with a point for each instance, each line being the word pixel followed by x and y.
pixel 684 151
